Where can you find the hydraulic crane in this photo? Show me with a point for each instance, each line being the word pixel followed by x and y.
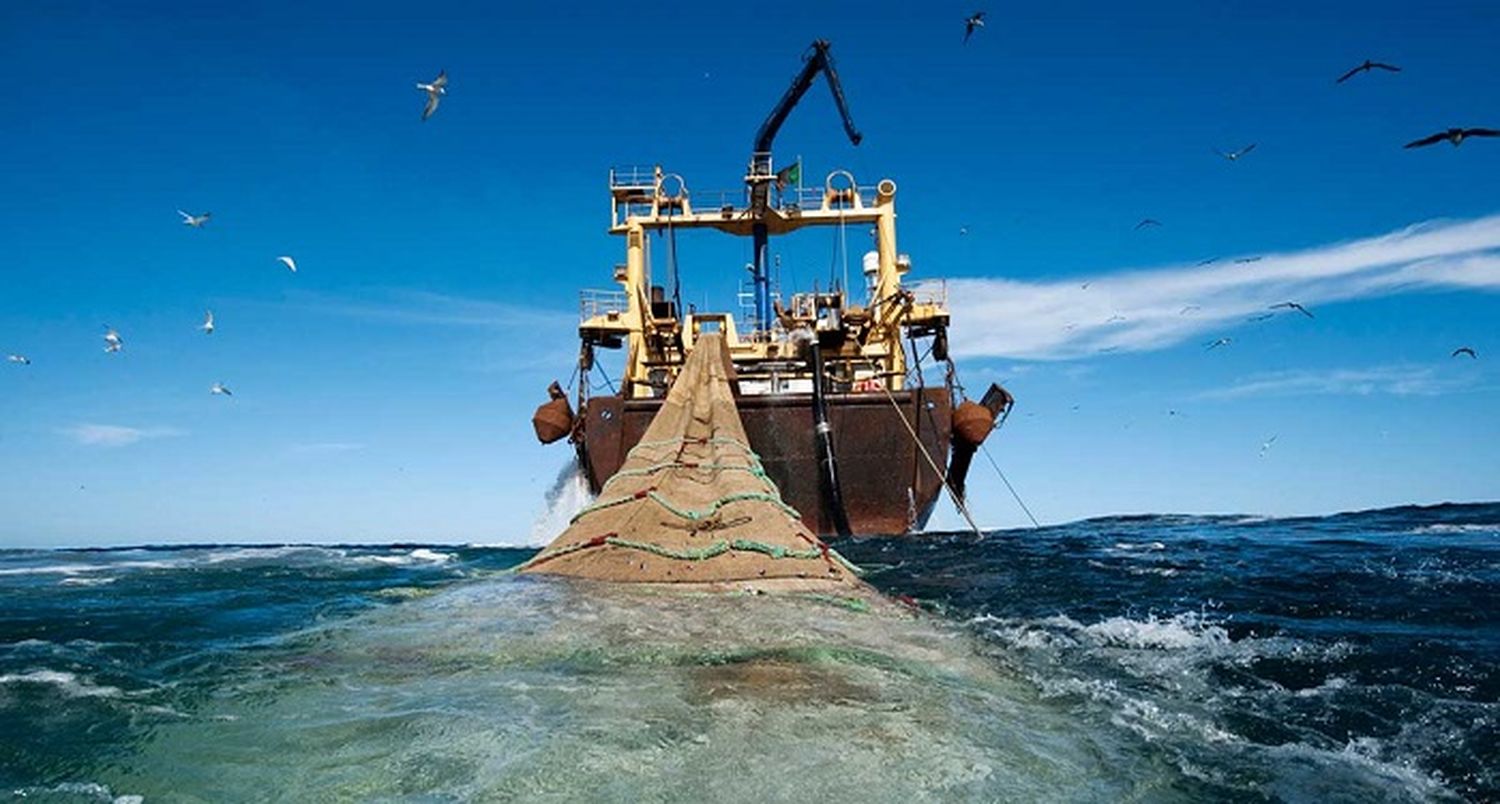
pixel 761 175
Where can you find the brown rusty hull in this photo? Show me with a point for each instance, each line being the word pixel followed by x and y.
pixel 888 485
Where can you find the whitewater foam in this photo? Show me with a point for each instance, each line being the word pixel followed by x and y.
pixel 66 683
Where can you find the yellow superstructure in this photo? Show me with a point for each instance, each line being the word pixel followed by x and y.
pixel 862 341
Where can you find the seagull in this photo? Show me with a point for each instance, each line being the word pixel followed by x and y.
pixel 220 389
pixel 195 221
pixel 963 230
pixel 1189 309
pixel 20 359
pixel 1248 259
pixel 1221 342
pixel 434 90
pixel 1262 317
pixel 1147 222
pixel 1453 135
pixel 208 322
pixel 1234 155
pixel 1085 286
pixel 1112 319
pixel 1462 350
pixel 1209 261
pixel 1291 306
pixel 1266 447
pixel 112 341
pixel 975 21
pixel 1366 67
pixel 289 263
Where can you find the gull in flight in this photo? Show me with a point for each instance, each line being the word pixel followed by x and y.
pixel 1262 317
pixel 1248 259
pixel 290 264
pixel 1221 342
pixel 220 389
pixel 973 23
pixel 1366 67
pixel 112 341
pixel 1189 309
pixel 1462 350
pixel 1147 222
pixel 1266 447
pixel 1453 135
pixel 208 322
pixel 195 221
pixel 434 90
pixel 1235 155
pixel 1291 306
pixel 21 359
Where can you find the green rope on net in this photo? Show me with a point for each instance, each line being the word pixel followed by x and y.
pixel 690 515
pixel 713 508
pixel 704 553
pixel 715 549
pixel 772 550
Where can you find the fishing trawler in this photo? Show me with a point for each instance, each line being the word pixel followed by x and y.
pixel 830 385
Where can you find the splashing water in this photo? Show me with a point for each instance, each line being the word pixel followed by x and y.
pixel 568 495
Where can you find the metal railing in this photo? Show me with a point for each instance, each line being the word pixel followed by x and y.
pixel 632 176
pixel 593 303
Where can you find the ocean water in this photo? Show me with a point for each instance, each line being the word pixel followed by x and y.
pixel 1353 657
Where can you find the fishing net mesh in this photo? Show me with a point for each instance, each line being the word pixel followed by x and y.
pixel 692 504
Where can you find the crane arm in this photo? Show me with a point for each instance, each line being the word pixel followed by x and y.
pixel 821 60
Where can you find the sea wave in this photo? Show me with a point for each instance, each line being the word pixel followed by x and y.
pixel 66 683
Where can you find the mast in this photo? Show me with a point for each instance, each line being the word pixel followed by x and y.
pixel 761 175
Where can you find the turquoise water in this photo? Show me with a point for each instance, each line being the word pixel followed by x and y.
pixel 1348 658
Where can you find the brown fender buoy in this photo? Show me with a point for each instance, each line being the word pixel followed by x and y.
pixel 554 418
pixel 972 423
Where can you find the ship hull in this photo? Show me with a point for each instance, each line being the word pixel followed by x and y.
pixel 887 483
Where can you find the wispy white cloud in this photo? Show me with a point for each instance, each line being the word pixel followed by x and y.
pixel 1161 307
pixel 114 435
pixel 1396 380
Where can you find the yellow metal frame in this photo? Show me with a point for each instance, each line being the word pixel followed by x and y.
pixel 639 208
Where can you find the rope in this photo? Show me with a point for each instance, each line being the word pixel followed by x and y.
pixel 685 513
pixel 957 501
pixel 1034 524
pixel 704 553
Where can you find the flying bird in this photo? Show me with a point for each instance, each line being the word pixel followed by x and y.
pixel 1112 319
pixel 1248 259
pixel 974 22
pixel 963 230
pixel 1147 222
pixel 1266 447
pixel 1462 350
pixel 1262 317
pixel 290 264
pixel 1221 342
pixel 1209 261
pixel 208 322
pixel 20 359
pixel 1189 309
pixel 434 90
pixel 220 389
pixel 1453 135
pixel 112 341
pixel 195 221
pixel 1291 306
pixel 1234 155
pixel 1366 67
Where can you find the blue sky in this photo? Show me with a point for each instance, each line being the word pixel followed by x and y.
pixel 384 391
